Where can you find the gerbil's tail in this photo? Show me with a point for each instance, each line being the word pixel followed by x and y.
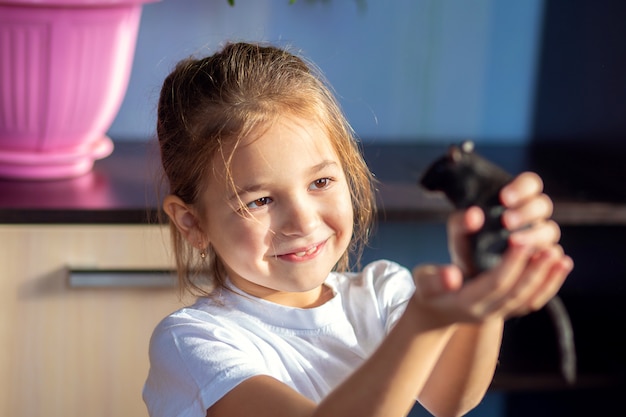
pixel 565 336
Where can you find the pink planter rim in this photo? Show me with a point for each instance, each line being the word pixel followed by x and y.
pixel 96 150
pixel 69 163
pixel 73 3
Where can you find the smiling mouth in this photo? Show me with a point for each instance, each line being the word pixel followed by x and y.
pixel 306 252
pixel 303 254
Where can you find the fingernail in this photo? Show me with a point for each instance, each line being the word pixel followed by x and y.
pixel 510 219
pixel 567 263
pixel 518 239
pixel 507 197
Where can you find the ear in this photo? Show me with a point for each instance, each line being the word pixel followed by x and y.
pixel 467 146
pixel 186 221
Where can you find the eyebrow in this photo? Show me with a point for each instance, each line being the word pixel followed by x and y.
pixel 254 187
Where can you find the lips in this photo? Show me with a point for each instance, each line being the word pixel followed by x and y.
pixel 307 252
pixel 301 254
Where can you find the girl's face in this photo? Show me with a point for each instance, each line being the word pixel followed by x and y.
pixel 290 219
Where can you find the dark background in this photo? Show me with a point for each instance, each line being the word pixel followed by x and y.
pixel 578 146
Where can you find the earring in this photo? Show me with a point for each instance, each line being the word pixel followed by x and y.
pixel 203 253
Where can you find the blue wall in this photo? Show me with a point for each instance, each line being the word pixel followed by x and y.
pixel 405 70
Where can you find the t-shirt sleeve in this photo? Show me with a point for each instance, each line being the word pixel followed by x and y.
pixel 394 286
pixel 193 363
pixel 374 299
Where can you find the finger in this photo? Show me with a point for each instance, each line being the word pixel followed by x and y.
pixel 540 207
pixel 461 224
pixel 464 222
pixel 521 188
pixel 538 236
pixel 474 219
pixel 558 250
pixel 488 290
pixel 433 280
pixel 557 276
pixel 534 286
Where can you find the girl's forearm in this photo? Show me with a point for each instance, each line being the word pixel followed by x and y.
pixel 387 383
pixel 464 371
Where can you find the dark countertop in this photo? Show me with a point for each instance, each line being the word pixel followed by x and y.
pixel 123 188
pixel 120 189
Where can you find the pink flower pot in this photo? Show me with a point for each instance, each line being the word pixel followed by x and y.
pixel 64 70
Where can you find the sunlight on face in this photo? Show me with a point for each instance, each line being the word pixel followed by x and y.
pixel 290 219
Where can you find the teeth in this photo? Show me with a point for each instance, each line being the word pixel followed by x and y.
pixel 304 253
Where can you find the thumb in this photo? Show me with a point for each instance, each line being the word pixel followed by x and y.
pixel 435 280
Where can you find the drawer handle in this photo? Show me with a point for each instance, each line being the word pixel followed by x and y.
pixel 110 278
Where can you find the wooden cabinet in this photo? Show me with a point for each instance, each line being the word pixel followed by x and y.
pixel 78 351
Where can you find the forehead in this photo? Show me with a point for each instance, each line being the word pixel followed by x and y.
pixel 286 145
pixel 286 141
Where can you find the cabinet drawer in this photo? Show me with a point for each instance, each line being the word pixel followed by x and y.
pixel 77 350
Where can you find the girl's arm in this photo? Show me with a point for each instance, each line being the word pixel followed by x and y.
pixel 384 386
pixel 464 371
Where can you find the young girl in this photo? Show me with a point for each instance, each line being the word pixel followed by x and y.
pixel 269 198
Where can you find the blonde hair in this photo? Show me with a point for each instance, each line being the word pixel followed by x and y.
pixel 208 105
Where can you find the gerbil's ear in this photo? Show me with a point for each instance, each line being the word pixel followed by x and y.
pixel 186 221
pixel 467 146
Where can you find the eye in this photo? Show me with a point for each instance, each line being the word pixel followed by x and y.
pixel 259 202
pixel 320 184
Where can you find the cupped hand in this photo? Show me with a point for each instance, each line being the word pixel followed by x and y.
pixel 522 282
pixel 530 273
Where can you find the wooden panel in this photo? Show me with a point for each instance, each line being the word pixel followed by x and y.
pixel 77 352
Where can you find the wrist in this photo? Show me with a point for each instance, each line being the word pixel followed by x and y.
pixel 423 318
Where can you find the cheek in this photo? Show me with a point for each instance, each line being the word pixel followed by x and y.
pixel 349 223
pixel 343 212
pixel 246 235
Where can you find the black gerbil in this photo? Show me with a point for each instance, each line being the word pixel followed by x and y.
pixel 467 179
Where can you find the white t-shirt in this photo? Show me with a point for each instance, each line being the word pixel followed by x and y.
pixel 199 353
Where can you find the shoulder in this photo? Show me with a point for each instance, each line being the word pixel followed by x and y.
pixel 204 321
pixel 384 269
pixel 183 321
pixel 200 340
pixel 378 277
pixel 197 354
pixel 380 291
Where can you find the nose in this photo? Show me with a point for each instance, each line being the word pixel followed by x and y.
pixel 300 216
